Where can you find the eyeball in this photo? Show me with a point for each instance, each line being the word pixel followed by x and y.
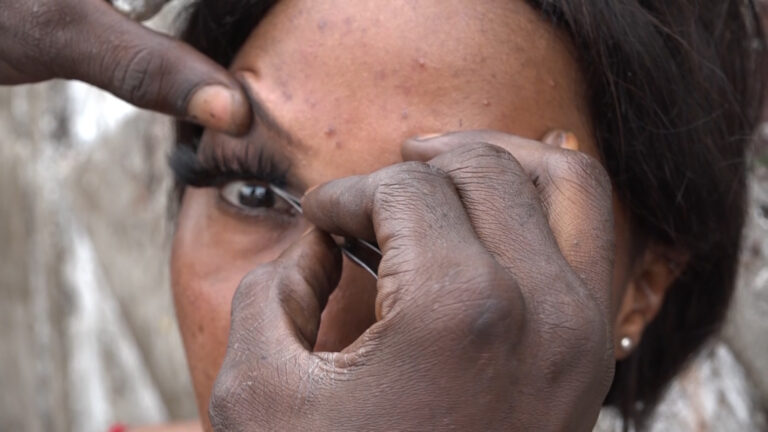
pixel 253 196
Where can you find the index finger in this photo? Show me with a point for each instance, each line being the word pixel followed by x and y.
pixel 438 286
pixel 428 243
pixel 574 190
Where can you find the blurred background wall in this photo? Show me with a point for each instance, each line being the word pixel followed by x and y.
pixel 87 329
pixel 88 335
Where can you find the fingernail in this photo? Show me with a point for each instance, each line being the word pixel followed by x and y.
pixel 427 137
pixel 220 108
pixel 554 138
pixel 570 142
pixel 307 192
pixel 310 189
pixel 562 139
pixel 339 240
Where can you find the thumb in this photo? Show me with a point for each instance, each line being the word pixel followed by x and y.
pixel 150 70
pixel 276 309
pixel 275 317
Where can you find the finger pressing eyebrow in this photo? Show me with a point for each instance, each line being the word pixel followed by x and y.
pixel 265 153
pixel 264 121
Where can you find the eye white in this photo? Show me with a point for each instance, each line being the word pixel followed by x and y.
pixel 248 195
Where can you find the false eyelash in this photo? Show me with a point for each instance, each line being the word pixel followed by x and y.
pixel 189 170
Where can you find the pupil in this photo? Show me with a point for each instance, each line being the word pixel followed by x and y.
pixel 256 196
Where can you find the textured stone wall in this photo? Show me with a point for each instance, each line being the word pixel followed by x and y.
pixel 87 329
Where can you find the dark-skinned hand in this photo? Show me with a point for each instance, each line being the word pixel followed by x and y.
pixel 88 40
pixel 492 307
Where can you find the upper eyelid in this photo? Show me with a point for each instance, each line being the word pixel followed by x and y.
pixel 190 170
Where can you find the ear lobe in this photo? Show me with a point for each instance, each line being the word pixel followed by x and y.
pixel 655 272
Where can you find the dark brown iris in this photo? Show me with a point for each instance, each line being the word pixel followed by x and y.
pixel 256 195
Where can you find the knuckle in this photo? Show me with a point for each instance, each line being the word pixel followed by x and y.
pixel 483 154
pixel 488 162
pixel 493 156
pixel 226 398
pixel 579 168
pixel 296 300
pixel 408 172
pixel 495 318
pixel 254 286
pixel 253 279
pixel 490 304
pixel 482 150
pixel 38 27
pixel 247 391
pixel 577 327
pixel 44 16
pixel 137 75
pixel 403 182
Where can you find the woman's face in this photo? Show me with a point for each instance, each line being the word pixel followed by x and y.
pixel 341 85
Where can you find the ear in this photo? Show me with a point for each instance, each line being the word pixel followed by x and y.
pixel 654 272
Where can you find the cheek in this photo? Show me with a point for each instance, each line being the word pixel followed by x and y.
pixel 211 254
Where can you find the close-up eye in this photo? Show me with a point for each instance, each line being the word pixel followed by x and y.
pixel 253 197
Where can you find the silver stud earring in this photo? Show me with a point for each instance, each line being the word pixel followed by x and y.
pixel 626 344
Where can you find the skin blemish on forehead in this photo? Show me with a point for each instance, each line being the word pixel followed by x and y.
pixel 310 102
pixel 404 89
pixel 330 132
pixel 380 75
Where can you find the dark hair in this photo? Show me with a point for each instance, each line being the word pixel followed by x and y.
pixel 675 93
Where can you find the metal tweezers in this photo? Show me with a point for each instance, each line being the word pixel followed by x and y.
pixel 361 252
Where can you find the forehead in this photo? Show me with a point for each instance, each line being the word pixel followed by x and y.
pixel 353 79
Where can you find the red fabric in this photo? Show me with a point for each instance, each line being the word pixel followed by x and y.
pixel 118 428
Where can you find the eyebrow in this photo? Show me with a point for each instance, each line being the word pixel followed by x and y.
pixel 263 153
pixel 262 117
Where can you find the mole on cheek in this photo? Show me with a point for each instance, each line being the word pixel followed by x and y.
pixel 331 133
